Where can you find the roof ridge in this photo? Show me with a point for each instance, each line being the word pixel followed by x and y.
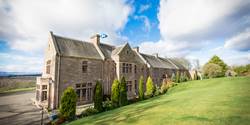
pixel 69 38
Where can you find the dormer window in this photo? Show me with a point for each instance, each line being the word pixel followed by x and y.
pixel 84 66
pixel 48 64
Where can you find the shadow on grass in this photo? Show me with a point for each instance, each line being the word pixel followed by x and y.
pixel 127 114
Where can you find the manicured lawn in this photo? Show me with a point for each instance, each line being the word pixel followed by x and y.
pixel 221 101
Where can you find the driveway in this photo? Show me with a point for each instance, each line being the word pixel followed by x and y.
pixel 17 109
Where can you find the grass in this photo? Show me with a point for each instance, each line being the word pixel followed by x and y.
pixel 18 90
pixel 14 84
pixel 221 101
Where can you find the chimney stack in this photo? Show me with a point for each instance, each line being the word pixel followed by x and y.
pixel 136 49
pixel 95 39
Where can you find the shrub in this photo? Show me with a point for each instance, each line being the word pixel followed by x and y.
pixel 88 112
pixel 141 88
pixel 157 91
pixel 150 87
pixel 107 105
pixel 115 93
pixel 212 70
pixel 164 87
pixel 216 60
pixel 173 77
pixel 123 93
pixel 177 77
pixel 68 104
pixel 98 96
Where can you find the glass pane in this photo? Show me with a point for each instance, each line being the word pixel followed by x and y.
pixel 84 94
pixel 78 85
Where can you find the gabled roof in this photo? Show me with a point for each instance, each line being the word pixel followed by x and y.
pixel 157 62
pixel 76 48
pixel 177 63
pixel 106 50
pixel 118 49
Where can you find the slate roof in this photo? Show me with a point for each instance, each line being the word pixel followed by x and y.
pixel 76 48
pixel 177 63
pixel 158 62
pixel 106 50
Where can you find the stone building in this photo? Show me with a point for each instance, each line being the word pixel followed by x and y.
pixel 79 64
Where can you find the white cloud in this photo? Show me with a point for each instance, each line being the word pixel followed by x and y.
pixel 144 8
pixel 169 48
pixel 20 63
pixel 240 41
pixel 146 22
pixel 194 26
pixel 198 19
pixel 26 23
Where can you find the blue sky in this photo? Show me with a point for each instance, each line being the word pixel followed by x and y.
pixel 193 29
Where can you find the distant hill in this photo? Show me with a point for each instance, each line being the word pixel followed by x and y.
pixel 14 74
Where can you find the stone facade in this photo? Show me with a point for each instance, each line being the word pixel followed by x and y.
pixel 80 64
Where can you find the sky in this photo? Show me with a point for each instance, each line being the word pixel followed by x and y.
pixel 192 29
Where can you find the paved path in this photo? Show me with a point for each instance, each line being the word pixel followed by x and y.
pixel 17 109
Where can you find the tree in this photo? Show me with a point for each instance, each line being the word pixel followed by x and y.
pixel 115 95
pixel 212 70
pixel 68 104
pixel 141 88
pixel 98 96
pixel 123 93
pixel 150 87
pixel 177 80
pixel 216 60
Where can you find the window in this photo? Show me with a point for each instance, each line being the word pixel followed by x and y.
pixel 44 87
pixel 129 86
pixel 44 95
pixel 136 87
pixel 48 63
pixel 44 92
pixel 123 67
pixel 84 66
pixel 129 68
pixel 126 68
pixel 84 91
pixel 135 69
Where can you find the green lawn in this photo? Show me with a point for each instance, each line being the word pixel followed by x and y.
pixel 221 101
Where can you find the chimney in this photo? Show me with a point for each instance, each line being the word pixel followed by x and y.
pixel 156 55
pixel 136 49
pixel 95 39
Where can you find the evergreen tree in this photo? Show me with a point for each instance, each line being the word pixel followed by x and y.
pixel 150 87
pixel 115 94
pixel 177 77
pixel 123 93
pixel 98 97
pixel 68 104
pixel 141 88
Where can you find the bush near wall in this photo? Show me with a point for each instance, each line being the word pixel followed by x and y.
pixel 123 100
pixel 98 97
pixel 68 104
pixel 115 93
pixel 150 87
